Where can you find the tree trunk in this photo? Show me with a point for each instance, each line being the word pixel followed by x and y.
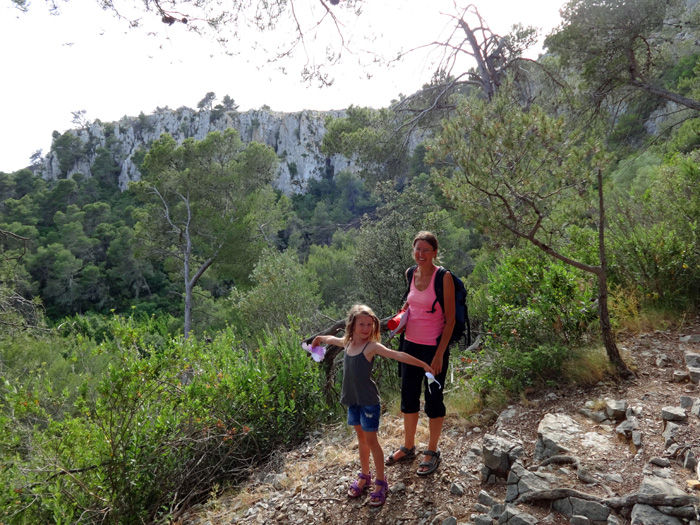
pixel 186 253
pixel 603 312
pixel 606 330
pixel 188 310
pixel 666 94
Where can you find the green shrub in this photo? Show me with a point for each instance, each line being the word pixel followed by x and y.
pixel 660 262
pixel 153 433
pixel 532 300
pixel 281 285
pixel 654 237
pixel 537 310
pixel 687 137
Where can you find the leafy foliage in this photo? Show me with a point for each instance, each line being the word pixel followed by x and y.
pixel 333 269
pixel 536 311
pixel 513 170
pixel 533 301
pixel 328 204
pixel 655 236
pixel 204 201
pixel 17 314
pixel 371 137
pixel 153 427
pixel 282 287
pixel 621 45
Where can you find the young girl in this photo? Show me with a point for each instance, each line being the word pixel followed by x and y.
pixel 360 394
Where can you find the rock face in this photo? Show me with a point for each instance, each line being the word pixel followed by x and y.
pixel 296 137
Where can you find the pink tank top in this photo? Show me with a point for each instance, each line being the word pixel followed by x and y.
pixel 423 327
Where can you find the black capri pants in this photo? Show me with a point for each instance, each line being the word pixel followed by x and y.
pixel 413 380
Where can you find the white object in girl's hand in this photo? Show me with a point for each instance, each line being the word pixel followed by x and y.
pixel 317 352
pixel 431 380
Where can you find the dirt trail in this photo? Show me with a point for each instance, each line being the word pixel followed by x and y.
pixel 309 484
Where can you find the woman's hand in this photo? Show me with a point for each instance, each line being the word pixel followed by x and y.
pixel 428 368
pixel 316 341
pixel 437 364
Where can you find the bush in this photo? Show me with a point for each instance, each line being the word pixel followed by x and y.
pixel 654 237
pixel 537 309
pixel 281 285
pixel 532 300
pixel 156 431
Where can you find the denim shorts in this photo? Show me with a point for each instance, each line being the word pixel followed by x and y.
pixel 366 416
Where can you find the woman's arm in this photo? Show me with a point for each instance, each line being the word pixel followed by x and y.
pixel 380 349
pixel 448 288
pixel 328 339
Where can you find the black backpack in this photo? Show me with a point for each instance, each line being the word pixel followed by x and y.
pixel 461 328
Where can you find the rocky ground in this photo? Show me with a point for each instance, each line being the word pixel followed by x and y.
pixel 309 484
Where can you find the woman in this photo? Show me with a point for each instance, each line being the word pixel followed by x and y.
pixel 426 338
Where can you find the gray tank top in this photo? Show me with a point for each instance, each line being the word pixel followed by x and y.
pixel 358 387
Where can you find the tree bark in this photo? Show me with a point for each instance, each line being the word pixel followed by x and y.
pixel 488 83
pixel 603 312
pixel 666 94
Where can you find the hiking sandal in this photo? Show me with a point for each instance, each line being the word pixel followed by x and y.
pixel 380 495
pixel 355 491
pixel 432 464
pixel 409 454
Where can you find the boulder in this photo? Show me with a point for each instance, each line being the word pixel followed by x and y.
pixel 615 410
pixel 687 402
pixel 559 434
pixel 499 453
pixel 694 373
pixel 647 515
pixel 512 515
pixel 625 429
pixel 692 359
pixel 673 414
pixel 681 376
pixel 521 481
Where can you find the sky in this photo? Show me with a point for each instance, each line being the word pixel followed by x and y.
pixel 86 59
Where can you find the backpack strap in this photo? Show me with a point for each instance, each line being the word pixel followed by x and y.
pixel 439 292
pixel 409 278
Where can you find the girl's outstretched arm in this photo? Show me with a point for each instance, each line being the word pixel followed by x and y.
pixel 328 339
pixel 380 349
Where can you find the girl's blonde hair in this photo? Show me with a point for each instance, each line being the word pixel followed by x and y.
pixel 430 238
pixel 355 311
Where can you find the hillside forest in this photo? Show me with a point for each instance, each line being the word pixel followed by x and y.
pixel 150 351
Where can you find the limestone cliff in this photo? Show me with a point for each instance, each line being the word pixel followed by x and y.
pixel 296 137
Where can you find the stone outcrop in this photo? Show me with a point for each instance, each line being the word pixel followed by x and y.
pixel 296 137
pixel 560 441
